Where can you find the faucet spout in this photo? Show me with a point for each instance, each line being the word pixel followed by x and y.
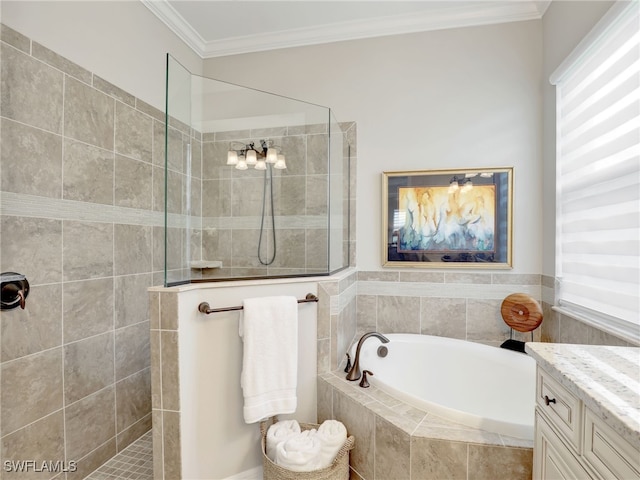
pixel 354 372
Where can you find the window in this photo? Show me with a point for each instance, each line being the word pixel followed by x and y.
pixel 598 175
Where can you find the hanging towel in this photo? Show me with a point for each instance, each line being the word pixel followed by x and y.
pixel 302 452
pixel 332 434
pixel 269 331
pixel 279 432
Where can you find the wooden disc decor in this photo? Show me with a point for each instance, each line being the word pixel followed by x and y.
pixel 521 312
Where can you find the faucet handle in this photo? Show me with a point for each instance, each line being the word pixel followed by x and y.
pixel 364 383
pixel 348 367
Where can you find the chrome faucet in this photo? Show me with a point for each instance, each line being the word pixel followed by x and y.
pixel 354 372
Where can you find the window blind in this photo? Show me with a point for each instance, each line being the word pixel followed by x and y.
pixel 598 174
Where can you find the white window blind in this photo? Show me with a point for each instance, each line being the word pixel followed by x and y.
pixel 598 174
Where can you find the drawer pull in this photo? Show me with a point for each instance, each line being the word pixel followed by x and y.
pixel 548 400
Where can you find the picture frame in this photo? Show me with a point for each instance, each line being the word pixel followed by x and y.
pixel 458 218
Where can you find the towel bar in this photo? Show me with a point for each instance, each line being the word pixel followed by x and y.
pixel 204 306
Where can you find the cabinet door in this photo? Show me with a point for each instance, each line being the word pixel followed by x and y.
pixel 552 459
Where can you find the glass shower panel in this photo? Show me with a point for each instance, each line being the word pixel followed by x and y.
pixel 176 193
pixel 263 219
pixel 339 196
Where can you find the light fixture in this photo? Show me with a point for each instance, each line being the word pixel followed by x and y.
pixel 242 163
pixel 251 156
pixel 280 163
pixel 232 157
pixel 461 181
pixel 272 155
pixel 243 155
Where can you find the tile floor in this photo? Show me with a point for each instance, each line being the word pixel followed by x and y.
pixel 134 462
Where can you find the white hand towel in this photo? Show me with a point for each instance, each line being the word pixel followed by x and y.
pixel 279 432
pixel 302 452
pixel 269 331
pixel 333 434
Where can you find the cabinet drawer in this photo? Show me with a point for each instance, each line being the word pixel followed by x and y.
pixel 561 407
pixel 551 458
pixel 606 452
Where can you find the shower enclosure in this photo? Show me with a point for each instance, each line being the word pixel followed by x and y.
pixel 233 212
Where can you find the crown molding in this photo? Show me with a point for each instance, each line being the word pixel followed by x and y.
pixel 464 16
pixel 177 24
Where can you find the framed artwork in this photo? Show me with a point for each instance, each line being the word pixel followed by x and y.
pixel 448 218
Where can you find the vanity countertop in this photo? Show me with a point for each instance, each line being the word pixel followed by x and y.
pixel 605 378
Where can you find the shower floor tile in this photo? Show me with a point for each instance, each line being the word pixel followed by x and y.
pixel 134 462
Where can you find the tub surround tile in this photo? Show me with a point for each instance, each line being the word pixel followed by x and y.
pixel 484 322
pixel 362 427
pixel 52 58
pixel 437 459
pixel 389 320
pixel 422 277
pixel 150 110
pixel 488 463
pixel 392 458
pixel 470 278
pixel 26 150
pixel 445 317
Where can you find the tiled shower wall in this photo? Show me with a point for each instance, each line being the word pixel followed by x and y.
pixel 82 185
pixel 232 203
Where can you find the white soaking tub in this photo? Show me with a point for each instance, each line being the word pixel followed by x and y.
pixel 476 385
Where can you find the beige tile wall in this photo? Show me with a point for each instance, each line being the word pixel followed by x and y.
pixel 81 188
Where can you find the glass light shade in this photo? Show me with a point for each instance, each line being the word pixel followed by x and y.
pixel 280 163
pixel 242 163
pixel 232 157
pixel 272 155
pixel 251 156
pixel 261 165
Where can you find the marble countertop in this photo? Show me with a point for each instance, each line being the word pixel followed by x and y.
pixel 605 378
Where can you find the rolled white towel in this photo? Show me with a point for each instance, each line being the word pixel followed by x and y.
pixel 279 432
pixel 333 435
pixel 302 452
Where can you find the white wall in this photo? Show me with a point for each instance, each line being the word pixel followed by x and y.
pixel 444 99
pixel 216 443
pixel 121 41
pixel 564 25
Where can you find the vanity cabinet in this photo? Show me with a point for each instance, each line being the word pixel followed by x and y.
pixel 573 442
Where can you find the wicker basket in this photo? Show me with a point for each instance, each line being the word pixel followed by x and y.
pixel 338 470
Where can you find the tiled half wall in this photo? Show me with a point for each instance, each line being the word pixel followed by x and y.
pixel 82 185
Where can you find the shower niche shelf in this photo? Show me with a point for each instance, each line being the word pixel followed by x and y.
pixel 204 264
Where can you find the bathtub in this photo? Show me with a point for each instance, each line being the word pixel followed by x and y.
pixel 476 385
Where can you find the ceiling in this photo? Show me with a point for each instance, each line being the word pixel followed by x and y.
pixel 214 28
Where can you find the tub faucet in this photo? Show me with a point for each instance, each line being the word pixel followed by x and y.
pixel 354 373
